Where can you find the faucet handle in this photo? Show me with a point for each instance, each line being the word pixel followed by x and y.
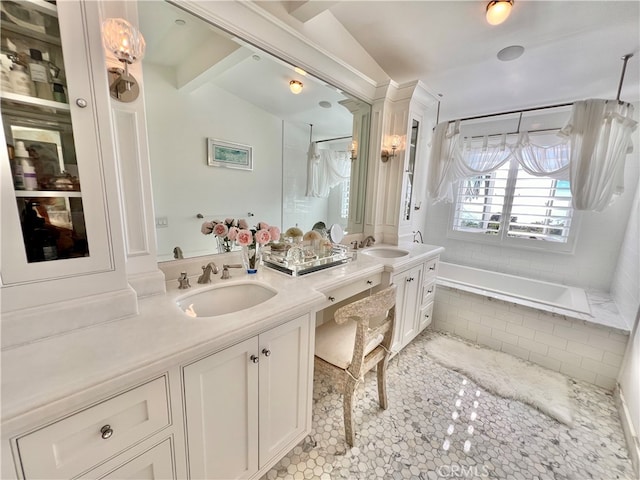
pixel 225 270
pixel 183 281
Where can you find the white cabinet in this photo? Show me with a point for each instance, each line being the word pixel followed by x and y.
pixel 154 464
pixel 81 441
pixel 249 403
pixel 414 301
pixel 409 283
pixel 56 225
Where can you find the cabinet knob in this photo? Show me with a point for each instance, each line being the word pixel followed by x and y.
pixel 430 290
pixel 331 299
pixel 266 352
pixel 254 358
pixel 369 282
pixel 432 267
pixel 81 102
pixel 106 431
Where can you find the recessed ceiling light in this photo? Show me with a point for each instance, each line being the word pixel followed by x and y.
pixel 256 57
pixel 180 22
pixel 299 71
pixel 510 53
pixel 324 104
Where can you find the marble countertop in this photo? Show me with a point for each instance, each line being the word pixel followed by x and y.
pixel 161 335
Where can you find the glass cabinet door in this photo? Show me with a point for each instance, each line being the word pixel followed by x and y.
pixel 410 170
pixel 45 136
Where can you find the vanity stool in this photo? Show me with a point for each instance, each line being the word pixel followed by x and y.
pixel 359 339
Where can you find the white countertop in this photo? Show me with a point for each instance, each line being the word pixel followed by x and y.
pixel 161 335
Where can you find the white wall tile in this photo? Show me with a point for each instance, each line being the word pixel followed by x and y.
pixel 505 337
pixel 577 372
pixel 521 331
pixel 545 361
pixel 574 334
pixel 537 347
pixel 515 351
pixel 585 350
pixel 565 357
pixel 551 340
pixel 600 368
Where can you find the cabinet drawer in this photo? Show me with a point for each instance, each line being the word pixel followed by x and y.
pixel 154 464
pixel 428 291
pixel 337 295
pixel 426 316
pixel 430 269
pixel 76 443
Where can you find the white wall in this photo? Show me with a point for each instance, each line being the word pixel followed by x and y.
pixel 184 185
pixel 596 253
pixel 625 290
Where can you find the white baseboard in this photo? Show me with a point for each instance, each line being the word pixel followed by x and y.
pixel 630 434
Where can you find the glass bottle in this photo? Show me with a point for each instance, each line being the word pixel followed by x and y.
pixel 40 74
pixel 21 82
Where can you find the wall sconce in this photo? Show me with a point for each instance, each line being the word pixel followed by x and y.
pixel 127 44
pixel 395 143
pixel 354 150
pixel 498 11
pixel 295 86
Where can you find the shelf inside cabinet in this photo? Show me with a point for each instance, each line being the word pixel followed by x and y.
pixel 26 32
pixel 25 100
pixel 48 193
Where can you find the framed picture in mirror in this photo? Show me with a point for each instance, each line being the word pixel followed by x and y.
pixel 229 155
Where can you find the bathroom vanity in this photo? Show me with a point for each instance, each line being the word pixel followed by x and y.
pixel 165 395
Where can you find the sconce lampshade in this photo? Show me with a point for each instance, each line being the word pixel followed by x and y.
pixel 295 86
pixel 498 11
pixel 123 40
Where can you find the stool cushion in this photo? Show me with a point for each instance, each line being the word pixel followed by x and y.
pixel 334 343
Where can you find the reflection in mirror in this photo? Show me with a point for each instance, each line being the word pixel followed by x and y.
pixel 307 151
pixel 411 167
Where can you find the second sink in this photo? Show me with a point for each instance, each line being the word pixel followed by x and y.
pixel 223 299
pixel 385 252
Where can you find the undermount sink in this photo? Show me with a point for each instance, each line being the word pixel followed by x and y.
pixel 385 252
pixel 223 299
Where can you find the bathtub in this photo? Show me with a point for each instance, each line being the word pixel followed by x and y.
pixel 551 297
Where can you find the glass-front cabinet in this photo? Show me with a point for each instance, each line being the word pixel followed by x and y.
pixel 53 216
pixel 410 170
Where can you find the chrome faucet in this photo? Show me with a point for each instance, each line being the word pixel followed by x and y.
pixel 225 270
pixel 367 242
pixel 183 281
pixel 207 271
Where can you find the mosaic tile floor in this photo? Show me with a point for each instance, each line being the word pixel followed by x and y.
pixel 419 436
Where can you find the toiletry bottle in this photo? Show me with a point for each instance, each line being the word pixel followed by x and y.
pixel 21 82
pixel 58 92
pixel 29 179
pixel 5 66
pixel 40 74
pixel 16 169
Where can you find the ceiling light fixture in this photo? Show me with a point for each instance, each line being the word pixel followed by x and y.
pixel 299 71
pixel 498 11
pixel 295 86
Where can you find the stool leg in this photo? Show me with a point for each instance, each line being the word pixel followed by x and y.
pixel 382 382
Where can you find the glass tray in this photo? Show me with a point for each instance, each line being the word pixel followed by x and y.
pixel 296 263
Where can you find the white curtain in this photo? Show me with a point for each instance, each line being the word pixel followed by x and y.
pixel 454 158
pixel 590 153
pixel 599 133
pixel 543 161
pixel 325 170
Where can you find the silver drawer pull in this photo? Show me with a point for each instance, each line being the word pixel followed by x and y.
pixel 432 267
pixel 266 352
pixel 254 358
pixel 369 282
pixel 331 299
pixel 106 431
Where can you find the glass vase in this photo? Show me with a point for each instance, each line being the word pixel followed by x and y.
pixel 224 244
pixel 251 257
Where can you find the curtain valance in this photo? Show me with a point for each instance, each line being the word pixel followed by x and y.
pixel 589 152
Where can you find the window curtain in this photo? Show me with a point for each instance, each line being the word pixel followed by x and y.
pixel 543 161
pixel 454 158
pixel 325 170
pixel 599 132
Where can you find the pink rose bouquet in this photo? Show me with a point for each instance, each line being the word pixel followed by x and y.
pixel 238 231
pixel 224 231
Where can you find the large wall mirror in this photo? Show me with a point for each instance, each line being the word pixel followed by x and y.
pixel 229 139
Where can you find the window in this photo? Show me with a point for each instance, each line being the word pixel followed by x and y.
pixel 511 206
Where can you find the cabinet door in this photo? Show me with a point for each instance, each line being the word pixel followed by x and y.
pixel 284 386
pixel 408 295
pixel 53 204
pixel 221 402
